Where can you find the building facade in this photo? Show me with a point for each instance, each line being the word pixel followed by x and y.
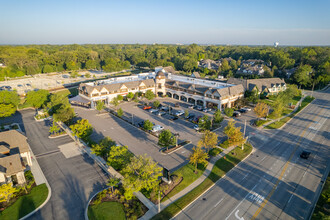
pixel 203 92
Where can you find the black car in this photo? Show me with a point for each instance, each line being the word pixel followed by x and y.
pixel 242 110
pixel 174 118
pixel 305 154
pixel 190 116
pixel 236 114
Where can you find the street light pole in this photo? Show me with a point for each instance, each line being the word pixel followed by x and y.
pixel 244 134
pixel 159 201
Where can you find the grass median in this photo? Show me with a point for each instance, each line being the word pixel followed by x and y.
pixel 221 167
pixel 26 204
pixel 107 210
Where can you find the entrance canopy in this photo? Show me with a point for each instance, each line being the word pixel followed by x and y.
pixel 79 100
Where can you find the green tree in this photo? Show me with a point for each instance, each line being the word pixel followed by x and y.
pixel 166 139
pixel 198 157
pixel 278 107
pixel 113 182
pixel 87 75
pixel 261 110
pixel 9 97
pixel 57 101
pixel 156 104
pixel 149 95
pixel 234 134
pixel 99 106
pixel 54 129
pixel 48 69
pixel 120 112
pixel 208 140
pixel 120 97
pixel 7 110
pixel 119 157
pixel 229 112
pixel 141 173
pixel 115 102
pixel 302 75
pixel 130 95
pixel 103 148
pixel 217 117
pixel 186 113
pixel 64 114
pixel 204 123
pixel 6 192
pixel 82 129
pixel 37 98
pixel 147 125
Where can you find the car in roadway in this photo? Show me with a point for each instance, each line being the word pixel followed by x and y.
pixel 146 107
pixel 180 112
pixel 19 85
pixel 236 114
pixel 157 128
pixel 28 84
pixel 305 154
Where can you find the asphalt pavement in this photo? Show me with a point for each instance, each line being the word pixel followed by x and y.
pixel 72 180
pixel 274 182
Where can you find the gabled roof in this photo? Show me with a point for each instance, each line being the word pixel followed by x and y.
pixel 16 141
pixel 11 165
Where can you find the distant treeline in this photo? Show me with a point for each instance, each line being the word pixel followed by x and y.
pixel 33 59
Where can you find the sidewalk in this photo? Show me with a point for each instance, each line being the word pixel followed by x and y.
pixel 294 110
pixel 186 190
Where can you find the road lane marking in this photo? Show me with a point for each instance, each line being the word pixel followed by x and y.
pixel 284 169
pixel 218 203
pixel 241 202
pixel 236 215
pixel 290 198
pixel 245 176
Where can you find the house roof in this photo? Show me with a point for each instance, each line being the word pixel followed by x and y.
pixel 169 69
pixel 11 165
pixel 15 141
pixel 261 84
pixel 196 75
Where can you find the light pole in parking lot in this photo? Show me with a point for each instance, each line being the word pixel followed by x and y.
pixel 244 133
pixel 132 119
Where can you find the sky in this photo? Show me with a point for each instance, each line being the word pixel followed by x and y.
pixel 233 22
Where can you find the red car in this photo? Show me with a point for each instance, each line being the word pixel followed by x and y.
pixel 146 107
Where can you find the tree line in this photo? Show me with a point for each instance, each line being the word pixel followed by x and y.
pixel 33 59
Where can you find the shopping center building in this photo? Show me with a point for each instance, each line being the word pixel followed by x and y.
pixel 203 92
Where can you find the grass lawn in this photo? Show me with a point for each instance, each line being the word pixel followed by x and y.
pixel 285 112
pixel 323 204
pixel 106 211
pixel 281 122
pixel 26 204
pixel 270 103
pixel 74 91
pixel 295 100
pixel 221 167
pixel 189 176
pixel 65 92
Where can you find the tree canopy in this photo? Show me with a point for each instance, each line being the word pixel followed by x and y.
pixel 166 138
pixel 37 98
pixel 82 129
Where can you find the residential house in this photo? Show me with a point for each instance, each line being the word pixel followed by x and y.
pixel 266 85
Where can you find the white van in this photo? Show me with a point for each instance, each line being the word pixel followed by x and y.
pixel 157 128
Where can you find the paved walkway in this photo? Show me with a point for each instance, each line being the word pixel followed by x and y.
pixel 186 190
pixel 294 110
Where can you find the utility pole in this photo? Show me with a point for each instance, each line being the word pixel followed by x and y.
pixel 313 88
pixel 132 119
pixel 244 134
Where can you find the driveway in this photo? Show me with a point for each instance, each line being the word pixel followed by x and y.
pixel 72 180
pixel 138 141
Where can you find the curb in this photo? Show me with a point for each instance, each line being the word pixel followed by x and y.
pixel 86 209
pixel 175 149
pixel 253 150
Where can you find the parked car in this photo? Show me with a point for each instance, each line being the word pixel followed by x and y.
pixel 199 108
pixel 242 110
pixel 236 114
pixel 247 109
pixel 191 106
pixel 196 127
pixel 159 113
pixel 305 154
pixel 19 85
pixel 176 105
pixel 146 107
pixel 190 116
pixel 173 118
pixel 153 110
pixel 164 108
pixel 196 120
pixel 28 84
pixel 180 112
pixel 157 128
